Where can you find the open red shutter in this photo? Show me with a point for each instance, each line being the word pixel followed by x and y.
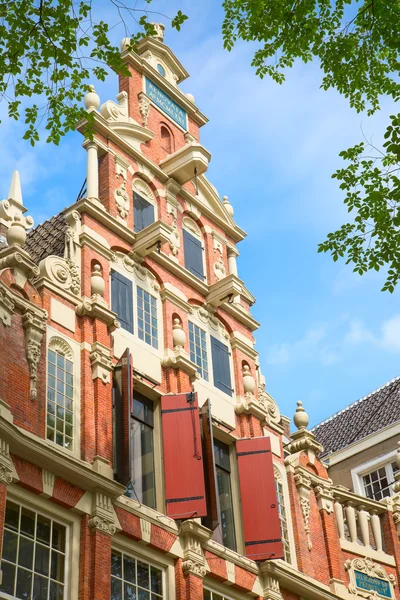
pixel 122 418
pixel 183 461
pixel 261 523
pixel 212 519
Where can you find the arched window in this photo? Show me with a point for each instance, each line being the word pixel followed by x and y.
pixel 144 207
pixel 193 248
pixel 166 139
pixel 60 393
pixel 280 495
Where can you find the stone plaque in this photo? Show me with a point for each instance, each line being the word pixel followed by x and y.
pixel 373 584
pixel 163 101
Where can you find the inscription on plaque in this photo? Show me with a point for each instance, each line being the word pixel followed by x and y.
pixel 163 101
pixel 373 584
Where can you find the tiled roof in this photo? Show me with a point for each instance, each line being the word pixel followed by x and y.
pixel 47 239
pixel 368 415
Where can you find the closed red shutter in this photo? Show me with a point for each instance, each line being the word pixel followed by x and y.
pixel 122 418
pixel 261 523
pixel 183 461
pixel 212 519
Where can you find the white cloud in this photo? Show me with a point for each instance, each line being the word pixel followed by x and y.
pixel 308 347
pixel 388 337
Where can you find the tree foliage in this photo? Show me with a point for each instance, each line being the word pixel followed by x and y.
pixel 51 49
pixel 357 44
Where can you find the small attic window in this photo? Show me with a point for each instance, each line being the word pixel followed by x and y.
pixel 161 70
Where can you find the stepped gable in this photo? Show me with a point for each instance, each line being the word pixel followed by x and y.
pixel 370 414
pixel 47 239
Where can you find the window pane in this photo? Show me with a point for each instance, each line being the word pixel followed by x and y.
pixel 143 575
pixel 42 556
pixel 58 540
pixel 57 566
pixel 8 583
pixel 135 580
pixel 116 589
pixel 147 313
pixel 143 476
pixel 56 591
pixel 116 564
pixel 24 584
pixel 129 569
pixel 197 349
pixel 63 396
pixel 12 516
pixel 10 542
pixel 156 581
pixel 40 588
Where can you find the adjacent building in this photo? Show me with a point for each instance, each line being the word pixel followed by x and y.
pixel 141 456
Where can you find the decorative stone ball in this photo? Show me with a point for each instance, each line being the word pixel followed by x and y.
pixel 92 99
pixel 179 336
pixel 97 281
pixel 190 97
pixel 248 380
pixel 16 234
pixel 125 42
pixel 300 418
pixel 228 206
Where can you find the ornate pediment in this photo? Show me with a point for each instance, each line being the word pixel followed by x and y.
pixel 369 579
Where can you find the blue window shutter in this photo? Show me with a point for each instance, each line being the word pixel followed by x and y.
pixel 193 254
pixel 143 212
pixel 221 367
pixel 122 300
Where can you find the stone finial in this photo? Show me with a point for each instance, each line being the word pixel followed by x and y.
pixel 125 43
pixel 249 384
pixel 15 192
pixel 160 28
pixel 16 233
pixel 190 97
pixel 300 418
pixel 97 281
pixel 92 99
pixel 179 336
pixel 228 205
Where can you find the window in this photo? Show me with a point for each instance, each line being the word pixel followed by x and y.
pixel 147 317
pixel 226 529
pixel 34 555
pixel 122 300
pixel 198 349
pixel 209 595
pixel 143 487
pixel 132 579
pixel 60 394
pixel 221 366
pixel 193 248
pixel 161 70
pixel 143 212
pixel 283 518
pixel 377 483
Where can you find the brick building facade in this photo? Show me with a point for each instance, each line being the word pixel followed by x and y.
pixel 141 456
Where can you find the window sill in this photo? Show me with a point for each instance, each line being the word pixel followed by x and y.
pixel 368 552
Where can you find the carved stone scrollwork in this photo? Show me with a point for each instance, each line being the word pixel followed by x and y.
pixel 219 269
pixel 63 272
pixel 121 198
pixel 101 361
pixel 7 306
pixel 103 516
pixel 273 414
pixel 34 325
pixel 193 535
pixel 324 498
pixel 303 485
pixel 174 240
pixel 6 466
pixel 144 108
pixel 374 571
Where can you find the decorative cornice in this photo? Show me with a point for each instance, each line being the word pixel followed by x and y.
pixel 103 217
pixel 239 344
pixel 13 257
pixel 193 536
pixel 96 308
pixel 168 295
pixel 179 359
pixel 183 274
pixel 302 439
pixel 103 516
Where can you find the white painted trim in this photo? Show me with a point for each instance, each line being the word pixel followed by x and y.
pixel 283 480
pixel 355 548
pixel 76 351
pixel 152 557
pixel 371 465
pixel 65 517
pixel 370 440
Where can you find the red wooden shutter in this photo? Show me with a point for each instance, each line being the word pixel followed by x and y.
pixel 183 461
pixel 261 523
pixel 212 519
pixel 122 418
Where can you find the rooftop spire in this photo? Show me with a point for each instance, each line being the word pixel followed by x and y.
pixel 15 192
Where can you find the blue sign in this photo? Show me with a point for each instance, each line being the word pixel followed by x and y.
pixel 374 584
pixel 163 101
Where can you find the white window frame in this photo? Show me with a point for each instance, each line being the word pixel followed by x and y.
pixel 213 327
pixel 70 520
pixel 191 227
pixel 216 587
pixel 151 557
pixel 51 335
pixel 139 276
pixel 281 476
pixel 359 472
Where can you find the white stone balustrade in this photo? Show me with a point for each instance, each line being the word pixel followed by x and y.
pixel 358 521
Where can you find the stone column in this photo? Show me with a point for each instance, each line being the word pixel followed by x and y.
pixel 232 266
pixel 92 171
pixel 191 571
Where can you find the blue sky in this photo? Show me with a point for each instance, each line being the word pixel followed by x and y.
pixel 328 336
